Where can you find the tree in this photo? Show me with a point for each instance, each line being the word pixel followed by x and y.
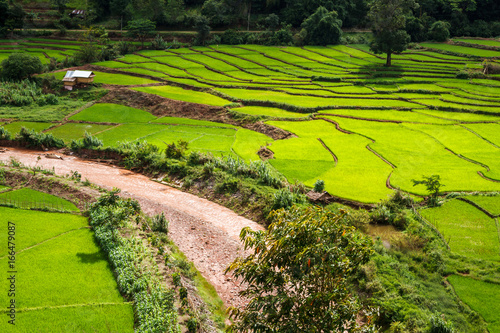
pixel 19 66
pixel 388 23
pixel 298 273
pixel 322 27
pixel 141 29
pixel 439 31
pixel 202 29
pixel 433 185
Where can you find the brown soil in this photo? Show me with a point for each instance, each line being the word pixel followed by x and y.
pixel 207 233
pixel 160 106
pixel 265 153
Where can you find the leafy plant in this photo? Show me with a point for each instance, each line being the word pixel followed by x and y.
pixel 299 272
pixel 432 184
pixel 319 186
pixel 176 151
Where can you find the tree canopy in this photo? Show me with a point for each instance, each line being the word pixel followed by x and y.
pixel 322 28
pixel 298 273
pixel 388 20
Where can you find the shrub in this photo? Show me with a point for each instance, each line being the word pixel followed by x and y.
pixel 19 66
pixel 192 325
pixel 37 140
pixel 88 142
pixel 319 186
pixel 158 43
pixel 439 31
pixel 176 151
pixel 4 134
pixel 159 223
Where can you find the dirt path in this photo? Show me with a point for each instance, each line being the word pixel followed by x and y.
pixel 206 232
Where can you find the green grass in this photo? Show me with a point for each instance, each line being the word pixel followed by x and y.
pixel 71 131
pixel 458 116
pixel 466 229
pixel 27 197
pixel 16 126
pixel 270 112
pixel 490 204
pixel 113 113
pixel 481 297
pixel 184 95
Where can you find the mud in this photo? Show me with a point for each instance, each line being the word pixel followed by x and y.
pixel 206 232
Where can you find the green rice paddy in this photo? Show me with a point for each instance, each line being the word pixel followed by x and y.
pixel 467 230
pixel 480 296
pixel 63 279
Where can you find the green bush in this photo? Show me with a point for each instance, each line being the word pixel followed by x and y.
pixel 38 140
pixel 439 31
pixel 159 223
pixel 19 66
pixel 176 150
pixel 88 142
pixel 4 134
pixel 319 186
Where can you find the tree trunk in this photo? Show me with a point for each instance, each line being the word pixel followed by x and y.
pixel 388 62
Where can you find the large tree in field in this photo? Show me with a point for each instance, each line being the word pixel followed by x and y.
pixel 388 22
pixel 298 276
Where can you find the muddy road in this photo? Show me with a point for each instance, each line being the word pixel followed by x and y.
pixel 206 232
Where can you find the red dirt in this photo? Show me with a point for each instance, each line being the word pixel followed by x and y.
pixel 207 233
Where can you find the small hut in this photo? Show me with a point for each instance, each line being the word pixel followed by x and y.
pixel 74 78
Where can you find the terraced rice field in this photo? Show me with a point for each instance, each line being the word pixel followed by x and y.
pixel 62 279
pixel 467 230
pixel 412 119
pixel 480 296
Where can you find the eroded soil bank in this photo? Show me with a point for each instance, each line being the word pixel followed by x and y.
pixel 206 232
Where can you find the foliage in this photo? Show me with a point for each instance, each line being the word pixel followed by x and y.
pixel 159 223
pixel 299 272
pixel 439 31
pixel 19 66
pixel 388 20
pixel 4 134
pixel 153 303
pixel 141 29
pixel 176 151
pixel 24 93
pixel 88 142
pixel 431 183
pixel 322 28
pixel 158 43
pixel 202 29
pixel 319 186
pixel 38 140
